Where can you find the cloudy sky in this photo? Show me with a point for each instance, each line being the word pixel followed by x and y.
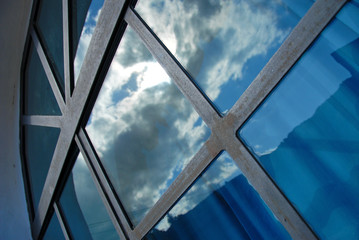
pixel 145 131
pixel 86 34
pixel 142 127
pixel 223 44
pixel 221 170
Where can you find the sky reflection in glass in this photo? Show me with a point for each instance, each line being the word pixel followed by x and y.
pixel 83 207
pixel 221 204
pixel 142 127
pixel 54 231
pixel 49 24
pixel 223 44
pixel 306 134
pixel 86 14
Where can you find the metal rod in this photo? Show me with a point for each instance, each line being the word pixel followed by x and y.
pixel 163 56
pixel 46 121
pixel 190 173
pixel 67 56
pixel 86 146
pixel 74 109
pixel 94 176
pixel 49 73
pixel 223 129
pixel 309 27
pixel 262 183
pixel 61 219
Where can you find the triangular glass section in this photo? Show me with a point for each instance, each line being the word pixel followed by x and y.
pixel 39 97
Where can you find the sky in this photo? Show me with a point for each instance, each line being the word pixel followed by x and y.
pixel 222 44
pixel 86 34
pixel 221 170
pixel 143 129
pixel 304 134
pixel 313 79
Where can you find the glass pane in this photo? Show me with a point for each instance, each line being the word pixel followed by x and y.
pixel 40 144
pixel 85 15
pixel 223 44
pixel 221 204
pixel 54 231
pixel 39 98
pixel 142 127
pixel 83 207
pixel 306 133
pixel 49 23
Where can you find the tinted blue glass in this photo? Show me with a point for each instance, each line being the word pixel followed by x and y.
pixel 54 231
pixel 39 98
pixel 85 15
pixel 221 204
pixel 49 23
pixel 83 208
pixel 306 133
pixel 223 44
pixel 142 127
pixel 40 143
pixel 79 12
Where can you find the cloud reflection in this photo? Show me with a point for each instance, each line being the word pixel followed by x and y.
pixel 221 171
pixel 86 34
pixel 142 127
pixel 214 40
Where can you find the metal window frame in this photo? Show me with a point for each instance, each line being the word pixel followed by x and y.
pixel 98 182
pixel 79 100
pixel 63 224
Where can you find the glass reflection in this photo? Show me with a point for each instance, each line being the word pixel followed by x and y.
pixel 49 24
pixel 85 16
pixel 54 231
pixel 306 134
pixel 83 208
pixel 223 44
pixel 40 144
pixel 221 204
pixel 38 89
pixel 142 127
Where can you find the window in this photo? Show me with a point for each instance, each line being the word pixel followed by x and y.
pixel 191 119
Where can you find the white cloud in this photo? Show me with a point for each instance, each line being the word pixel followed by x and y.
pixel 243 29
pixel 84 41
pixel 261 151
pixel 141 126
pixel 222 170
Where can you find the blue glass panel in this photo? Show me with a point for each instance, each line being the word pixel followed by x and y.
pixel 79 14
pixel 85 15
pixel 54 231
pixel 223 44
pixel 49 23
pixel 306 133
pixel 39 98
pixel 83 208
pixel 40 143
pixel 221 204
pixel 142 127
